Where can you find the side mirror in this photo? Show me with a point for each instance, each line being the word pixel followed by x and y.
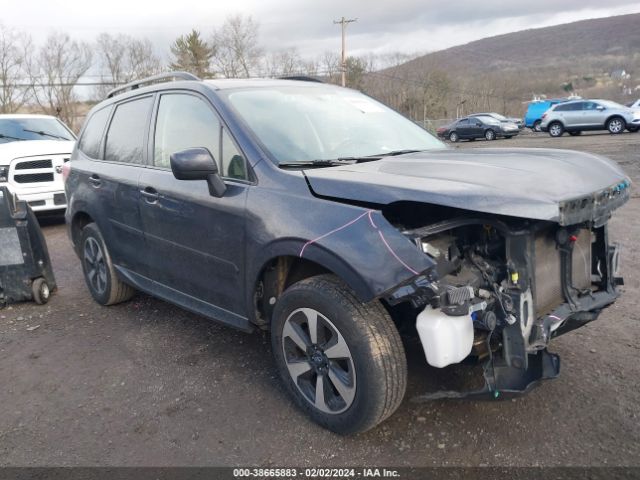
pixel 198 164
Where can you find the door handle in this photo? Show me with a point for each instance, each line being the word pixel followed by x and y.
pixel 150 195
pixel 95 181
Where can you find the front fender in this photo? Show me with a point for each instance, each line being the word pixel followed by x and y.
pixel 358 245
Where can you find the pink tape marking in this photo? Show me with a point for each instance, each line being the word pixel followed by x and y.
pixel 311 242
pixel 384 240
pixel 371 220
pixel 554 317
pixel 396 256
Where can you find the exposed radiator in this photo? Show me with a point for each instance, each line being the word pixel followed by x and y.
pixel 548 287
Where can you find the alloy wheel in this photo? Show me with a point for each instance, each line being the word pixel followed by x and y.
pixel 319 361
pixel 96 267
pixel 555 130
pixel 615 125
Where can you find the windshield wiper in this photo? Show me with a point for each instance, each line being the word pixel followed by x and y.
pixel 319 162
pixel 345 160
pixel 2 135
pixel 45 134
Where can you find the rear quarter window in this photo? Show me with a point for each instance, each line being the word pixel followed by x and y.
pixel 91 138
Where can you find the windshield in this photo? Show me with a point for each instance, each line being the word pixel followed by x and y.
pixel 487 119
pixel 610 104
pixel 302 124
pixel 25 128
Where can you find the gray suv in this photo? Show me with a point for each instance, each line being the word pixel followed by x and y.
pixel 579 115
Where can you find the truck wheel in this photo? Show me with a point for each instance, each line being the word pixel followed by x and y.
pixel 616 125
pixel 556 129
pixel 40 291
pixel 490 135
pixel 536 126
pixel 453 137
pixel 341 360
pixel 100 276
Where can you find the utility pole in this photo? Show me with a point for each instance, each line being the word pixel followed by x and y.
pixel 343 21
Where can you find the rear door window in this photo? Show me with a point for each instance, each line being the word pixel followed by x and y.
pixel 126 135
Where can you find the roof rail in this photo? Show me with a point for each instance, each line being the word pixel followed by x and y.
pixel 302 78
pixel 149 80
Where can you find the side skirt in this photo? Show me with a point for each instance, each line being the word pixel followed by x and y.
pixel 185 301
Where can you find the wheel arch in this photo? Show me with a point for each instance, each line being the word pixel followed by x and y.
pixel 612 116
pixel 282 266
pixel 79 220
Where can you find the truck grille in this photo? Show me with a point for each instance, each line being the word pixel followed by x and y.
pixel 35 170
pixel 33 178
pixel 548 284
pixel 32 164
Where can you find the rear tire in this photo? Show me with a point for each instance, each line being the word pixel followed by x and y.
pixel 616 125
pixel 453 137
pixel 349 373
pixel 490 135
pixel 536 126
pixel 556 129
pixel 99 274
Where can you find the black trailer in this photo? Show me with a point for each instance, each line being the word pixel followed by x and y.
pixel 25 267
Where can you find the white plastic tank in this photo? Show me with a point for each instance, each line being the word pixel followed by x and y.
pixel 445 339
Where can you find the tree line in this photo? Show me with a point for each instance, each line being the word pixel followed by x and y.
pixel 45 77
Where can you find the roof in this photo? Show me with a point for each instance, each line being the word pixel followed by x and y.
pixel 229 83
pixel 9 116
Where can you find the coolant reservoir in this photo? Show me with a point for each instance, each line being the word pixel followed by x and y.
pixel 445 339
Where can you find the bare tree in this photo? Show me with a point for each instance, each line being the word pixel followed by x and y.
pixel 282 63
pixel 236 47
pixel 123 59
pixel 61 63
pixel 192 54
pixel 15 64
pixel 330 65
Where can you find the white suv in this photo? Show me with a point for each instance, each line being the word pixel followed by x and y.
pixel 33 149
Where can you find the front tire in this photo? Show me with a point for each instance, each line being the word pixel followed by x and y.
pixel 453 137
pixel 616 125
pixel 99 274
pixel 341 360
pixel 556 129
pixel 536 126
pixel 490 135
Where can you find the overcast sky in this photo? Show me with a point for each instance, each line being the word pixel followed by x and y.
pixel 383 26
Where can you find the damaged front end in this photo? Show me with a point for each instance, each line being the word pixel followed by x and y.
pixel 503 287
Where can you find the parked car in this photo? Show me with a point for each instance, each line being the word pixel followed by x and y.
pixel 518 121
pixel 535 110
pixel 471 128
pixel 579 115
pixel 318 214
pixel 33 149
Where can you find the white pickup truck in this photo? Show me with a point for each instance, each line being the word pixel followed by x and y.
pixel 33 149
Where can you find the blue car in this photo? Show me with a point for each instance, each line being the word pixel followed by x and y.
pixel 533 117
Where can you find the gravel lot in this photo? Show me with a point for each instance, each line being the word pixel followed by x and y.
pixel 145 383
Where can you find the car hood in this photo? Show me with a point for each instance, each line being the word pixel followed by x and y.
pixel 545 184
pixel 32 148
